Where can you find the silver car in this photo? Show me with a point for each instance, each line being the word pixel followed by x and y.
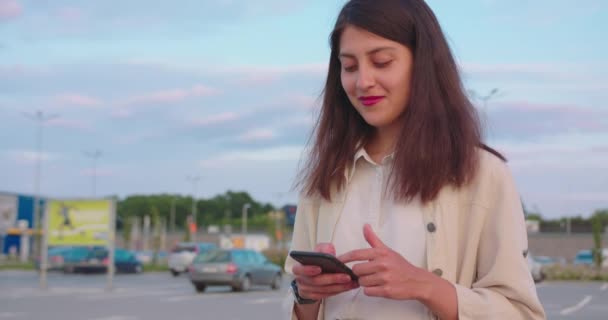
pixel 184 253
pixel 237 268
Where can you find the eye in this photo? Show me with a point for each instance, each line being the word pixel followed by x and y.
pixel 352 68
pixel 381 65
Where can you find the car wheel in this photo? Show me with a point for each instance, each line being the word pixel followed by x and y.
pixel 174 273
pixel 199 287
pixel 245 284
pixel 276 282
pixel 139 269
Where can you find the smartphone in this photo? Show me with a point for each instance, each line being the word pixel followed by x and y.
pixel 327 262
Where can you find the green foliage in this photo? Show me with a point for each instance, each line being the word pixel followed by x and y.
pixel 597 241
pixel 209 211
pixel 156 226
pixel 575 273
pixel 14 265
pixel 127 226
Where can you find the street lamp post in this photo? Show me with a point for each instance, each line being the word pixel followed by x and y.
pixel 94 155
pixel 246 206
pixel 194 180
pixel 40 119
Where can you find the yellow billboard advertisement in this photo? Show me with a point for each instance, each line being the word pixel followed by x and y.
pixel 79 222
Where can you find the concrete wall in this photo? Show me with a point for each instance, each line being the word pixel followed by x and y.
pixel 561 244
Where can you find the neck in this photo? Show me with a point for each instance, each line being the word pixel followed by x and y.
pixel 382 142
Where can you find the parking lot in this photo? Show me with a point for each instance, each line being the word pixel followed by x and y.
pixel 153 296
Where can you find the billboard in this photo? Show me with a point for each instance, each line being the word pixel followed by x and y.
pixel 79 222
pixel 8 212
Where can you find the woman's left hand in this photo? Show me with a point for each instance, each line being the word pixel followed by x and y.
pixel 385 273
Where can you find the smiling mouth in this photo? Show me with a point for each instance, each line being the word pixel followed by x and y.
pixel 371 100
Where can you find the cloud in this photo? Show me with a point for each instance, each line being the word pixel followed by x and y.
pixel 77 100
pixel 262 134
pixel 70 14
pixel 30 157
pixel 171 95
pixel 524 119
pixel 69 124
pixel 10 9
pixel 215 119
pixel 568 72
pixel 279 153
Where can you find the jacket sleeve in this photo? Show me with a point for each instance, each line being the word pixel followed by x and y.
pixel 503 288
pixel 304 238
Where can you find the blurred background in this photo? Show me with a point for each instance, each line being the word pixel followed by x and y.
pixel 193 117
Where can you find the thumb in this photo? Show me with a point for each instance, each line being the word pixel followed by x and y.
pixel 371 237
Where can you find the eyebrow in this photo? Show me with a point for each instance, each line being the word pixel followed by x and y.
pixel 370 52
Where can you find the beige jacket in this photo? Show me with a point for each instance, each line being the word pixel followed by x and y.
pixel 476 239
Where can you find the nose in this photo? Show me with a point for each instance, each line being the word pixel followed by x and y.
pixel 365 79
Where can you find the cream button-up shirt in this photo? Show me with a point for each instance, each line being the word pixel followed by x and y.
pixel 475 238
pixel 400 225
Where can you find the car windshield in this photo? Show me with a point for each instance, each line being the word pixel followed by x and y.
pixel 214 256
pixel 584 255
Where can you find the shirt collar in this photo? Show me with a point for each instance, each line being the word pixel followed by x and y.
pixel 362 153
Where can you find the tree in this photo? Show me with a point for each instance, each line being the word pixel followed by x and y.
pixel 598 256
pixel 155 233
pixel 127 227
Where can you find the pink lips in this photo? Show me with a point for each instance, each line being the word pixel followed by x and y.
pixel 370 100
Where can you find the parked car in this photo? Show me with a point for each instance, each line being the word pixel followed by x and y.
pixel 238 268
pixel 55 257
pixel 536 269
pixel 83 259
pixel 96 259
pixel 585 257
pixel 547 261
pixel 183 254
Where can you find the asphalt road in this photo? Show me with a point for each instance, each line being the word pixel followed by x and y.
pixel 159 296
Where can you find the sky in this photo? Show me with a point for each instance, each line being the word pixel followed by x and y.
pixel 228 91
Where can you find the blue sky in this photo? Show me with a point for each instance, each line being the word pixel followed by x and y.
pixel 228 90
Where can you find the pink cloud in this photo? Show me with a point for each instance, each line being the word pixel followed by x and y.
pixel 215 119
pixel 172 95
pixel 70 14
pixel 75 99
pixel 122 114
pixel 258 135
pixel 10 9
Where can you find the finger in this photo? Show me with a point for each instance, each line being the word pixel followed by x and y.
pixel 358 255
pixel 372 280
pixel 366 268
pixel 371 237
pixel 302 270
pixel 326 248
pixel 376 291
pixel 317 293
pixel 324 279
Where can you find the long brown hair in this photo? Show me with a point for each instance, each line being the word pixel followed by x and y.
pixel 441 132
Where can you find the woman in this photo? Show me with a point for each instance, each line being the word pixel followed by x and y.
pixel 400 186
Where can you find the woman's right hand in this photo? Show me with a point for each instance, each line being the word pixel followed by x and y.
pixel 312 284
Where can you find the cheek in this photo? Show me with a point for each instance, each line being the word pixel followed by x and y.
pixel 348 83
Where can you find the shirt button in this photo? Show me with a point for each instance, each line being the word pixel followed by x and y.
pixel 438 272
pixel 431 227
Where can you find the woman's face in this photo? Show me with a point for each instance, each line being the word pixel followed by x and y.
pixel 376 75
